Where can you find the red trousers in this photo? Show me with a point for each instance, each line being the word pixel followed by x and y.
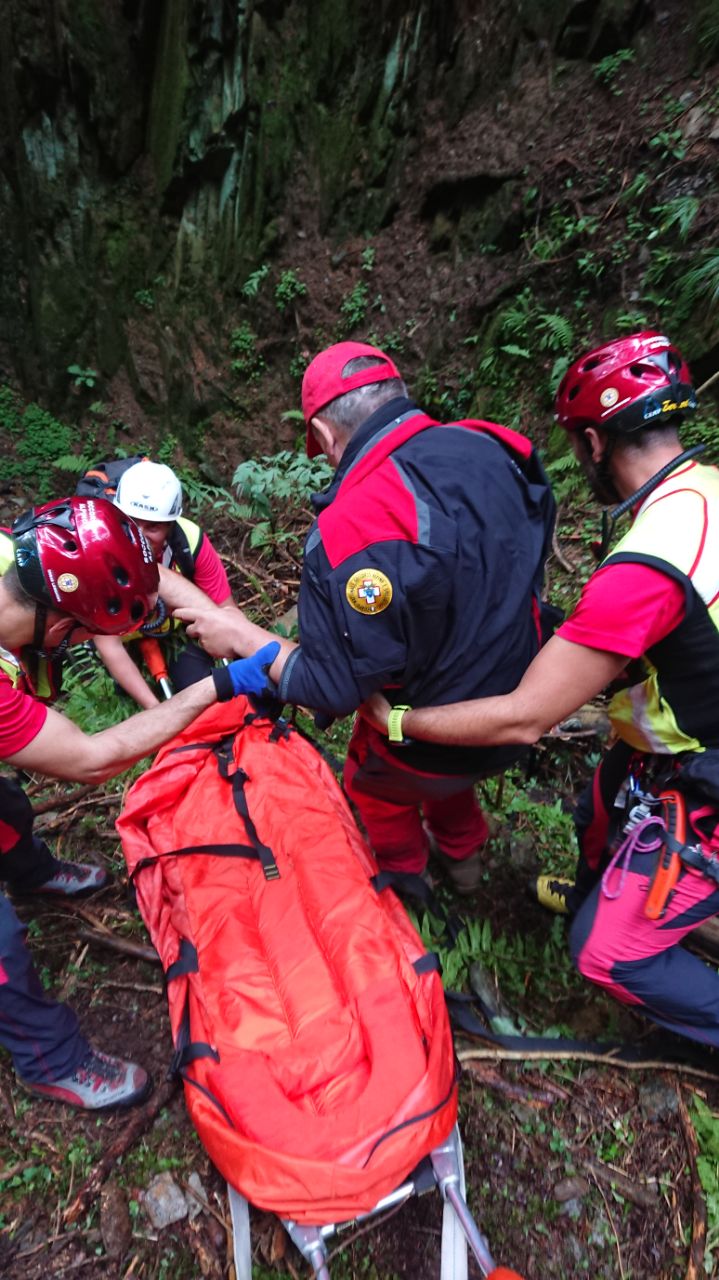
pixel 399 805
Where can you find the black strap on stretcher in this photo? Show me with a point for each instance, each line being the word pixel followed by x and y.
pixel 469 1014
pixel 237 779
pixel 659 1046
pixel 188 1051
pixel 213 850
pixel 408 885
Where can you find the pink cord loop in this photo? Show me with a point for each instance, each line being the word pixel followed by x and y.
pixel 633 844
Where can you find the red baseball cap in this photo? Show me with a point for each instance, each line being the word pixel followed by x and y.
pixel 324 380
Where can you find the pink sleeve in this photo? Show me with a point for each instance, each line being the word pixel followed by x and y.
pixel 210 574
pixel 626 608
pixel 21 718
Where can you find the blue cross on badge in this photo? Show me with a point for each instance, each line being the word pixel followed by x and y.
pixel 369 591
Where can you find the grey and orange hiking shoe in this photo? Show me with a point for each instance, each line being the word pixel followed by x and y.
pixel 73 880
pixel 100 1083
pixel 552 892
pixel 464 874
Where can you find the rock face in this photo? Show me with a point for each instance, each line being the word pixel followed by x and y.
pixel 148 150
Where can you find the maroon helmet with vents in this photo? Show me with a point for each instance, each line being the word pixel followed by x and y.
pixel 626 385
pixel 84 558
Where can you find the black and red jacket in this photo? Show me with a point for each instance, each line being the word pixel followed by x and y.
pixel 459 518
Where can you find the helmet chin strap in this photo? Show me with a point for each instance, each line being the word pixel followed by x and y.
pixel 38 645
pixel 38 638
pixel 609 518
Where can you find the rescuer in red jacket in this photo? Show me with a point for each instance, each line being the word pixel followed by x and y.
pixel 422 576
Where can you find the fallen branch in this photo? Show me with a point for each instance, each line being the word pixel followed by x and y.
pixel 64 802
pixel 695 1268
pixel 498 1054
pixel 94 802
pixel 125 1139
pixel 645 1196
pixel 113 943
pixel 490 1078
pixel 560 556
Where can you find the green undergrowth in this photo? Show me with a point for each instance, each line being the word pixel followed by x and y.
pixel 706 1125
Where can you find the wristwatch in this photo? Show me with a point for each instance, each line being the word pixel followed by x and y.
pixel 394 724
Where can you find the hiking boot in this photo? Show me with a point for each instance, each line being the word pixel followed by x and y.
pixel 465 874
pixel 98 1084
pixel 428 878
pixel 73 880
pixel 552 892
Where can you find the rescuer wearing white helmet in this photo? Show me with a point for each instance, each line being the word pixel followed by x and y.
pixel 151 494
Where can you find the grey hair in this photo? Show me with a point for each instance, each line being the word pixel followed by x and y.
pixel 11 582
pixel 353 408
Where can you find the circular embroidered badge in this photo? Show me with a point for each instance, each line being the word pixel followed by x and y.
pixel 67 582
pixel 609 397
pixel 369 591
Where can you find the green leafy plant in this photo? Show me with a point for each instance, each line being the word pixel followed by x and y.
pixel 247 362
pixel 669 143
pixel 145 298
pixel 607 69
pixel 353 307
pixel 288 289
pixel 166 449
pixel 367 258
pixel 298 364
pixel 251 287
pixel 82 377
pixel 590 264
pixel 677 214
pixel 43 438
pixel 706 1126
pixel 89 696
pixel 199 495
pixel 393 342
pixel 10 410
pixel 555 332
pixel 514 958
pixel 701 281
pixel 73 464
pixel 281 479
pixel 636 187
pixel 559 230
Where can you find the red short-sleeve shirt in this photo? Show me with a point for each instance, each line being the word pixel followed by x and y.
pixel 625 608
pixel 21 717
pixel 210 574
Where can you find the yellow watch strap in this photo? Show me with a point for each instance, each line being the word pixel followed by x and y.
pixel 394 723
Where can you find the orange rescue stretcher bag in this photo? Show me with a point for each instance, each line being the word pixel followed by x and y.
pixel 309 1023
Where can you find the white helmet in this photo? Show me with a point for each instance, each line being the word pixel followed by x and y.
pixel 149 491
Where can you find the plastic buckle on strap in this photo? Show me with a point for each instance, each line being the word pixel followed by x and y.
pixel 693 855
pixel 267 862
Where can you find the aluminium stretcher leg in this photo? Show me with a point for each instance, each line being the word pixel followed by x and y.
pixel 448 1168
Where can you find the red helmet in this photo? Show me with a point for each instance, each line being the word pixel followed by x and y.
pixel 626 385
pixel 84 558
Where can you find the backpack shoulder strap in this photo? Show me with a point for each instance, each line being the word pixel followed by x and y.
pixel 184 554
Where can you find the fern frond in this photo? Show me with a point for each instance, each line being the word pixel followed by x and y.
pixel 701 282
pixel 556 332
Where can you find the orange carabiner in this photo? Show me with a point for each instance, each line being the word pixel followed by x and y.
pixel 669 863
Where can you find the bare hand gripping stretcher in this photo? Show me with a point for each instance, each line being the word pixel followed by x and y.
pixel 309 1023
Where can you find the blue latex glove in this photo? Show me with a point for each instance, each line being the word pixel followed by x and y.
pixel 247 675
